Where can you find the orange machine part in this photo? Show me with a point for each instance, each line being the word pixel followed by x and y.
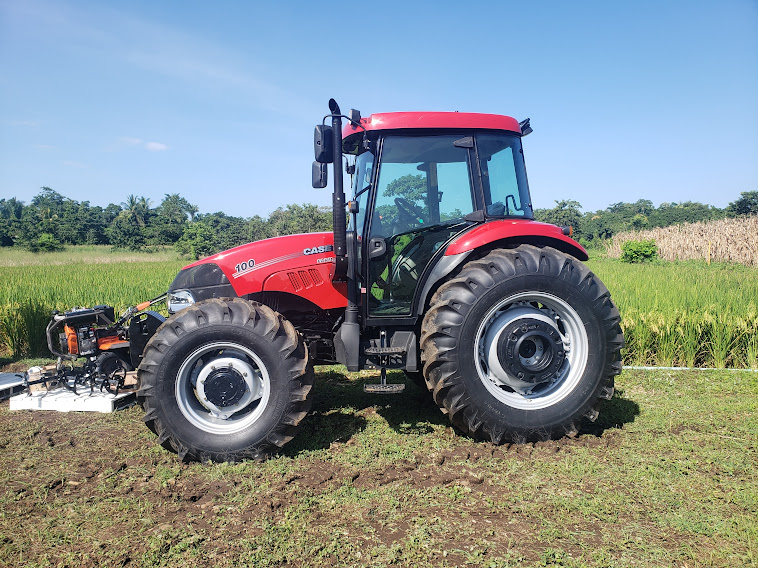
pixel 112 342
pixel 72 343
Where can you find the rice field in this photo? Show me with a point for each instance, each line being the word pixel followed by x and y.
pixel 33 285
pixel 724 240
pixel 673 313
pixel 686 314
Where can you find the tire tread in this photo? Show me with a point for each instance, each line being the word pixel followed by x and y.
pixel 263 321
pixel 453 300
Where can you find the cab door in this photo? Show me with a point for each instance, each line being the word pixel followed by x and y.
pixel 424 188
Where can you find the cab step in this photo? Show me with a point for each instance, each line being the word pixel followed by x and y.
pixel 386 388
pixel 383 387
pixel 384 350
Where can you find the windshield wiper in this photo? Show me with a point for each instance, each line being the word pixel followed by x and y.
pixel 364 190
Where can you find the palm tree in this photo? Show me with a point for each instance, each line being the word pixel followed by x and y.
pixel 143 211
pixel 137 208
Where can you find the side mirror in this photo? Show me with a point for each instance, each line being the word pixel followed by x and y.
pixel 319 175
pixel 323 147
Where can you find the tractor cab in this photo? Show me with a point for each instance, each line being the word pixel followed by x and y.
pixel 420 182
pixel 414 192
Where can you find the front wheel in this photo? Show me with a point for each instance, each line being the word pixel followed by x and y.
pixel 225 380
pixel 521 345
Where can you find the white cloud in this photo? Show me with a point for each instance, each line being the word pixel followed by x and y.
pixel 167 50
pixel 129 141
pixel 155 146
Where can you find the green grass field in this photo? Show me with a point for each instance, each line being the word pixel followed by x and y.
pixel 85 276
pixel 685 313
pixel 673 313
pixel 666 477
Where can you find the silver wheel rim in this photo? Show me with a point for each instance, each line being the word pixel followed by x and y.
pixel 555 314
pixel 199 409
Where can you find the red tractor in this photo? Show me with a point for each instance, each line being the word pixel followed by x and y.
pixel 440 271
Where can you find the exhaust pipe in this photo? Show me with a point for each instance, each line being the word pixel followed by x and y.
pixel 338 197
pixel 347 342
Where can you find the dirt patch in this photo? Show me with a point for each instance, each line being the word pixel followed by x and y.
pixel 363 484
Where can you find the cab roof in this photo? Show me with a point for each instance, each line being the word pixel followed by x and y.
pixel 433 120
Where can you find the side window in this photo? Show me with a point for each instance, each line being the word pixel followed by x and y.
pixel 423 181
pixel 454 203
pixel 503 178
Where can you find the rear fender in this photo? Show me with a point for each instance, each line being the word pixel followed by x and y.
pixel 516 231
pixel 495 234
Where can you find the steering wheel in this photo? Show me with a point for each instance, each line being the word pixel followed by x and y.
pixel 411 211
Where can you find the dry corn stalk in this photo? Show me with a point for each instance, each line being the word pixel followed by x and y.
pixel 729 240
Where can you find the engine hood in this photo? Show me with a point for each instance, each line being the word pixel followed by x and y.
pixel 297 264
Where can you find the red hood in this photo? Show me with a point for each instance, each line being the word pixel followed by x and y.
pixel 268 251
pixel 296 264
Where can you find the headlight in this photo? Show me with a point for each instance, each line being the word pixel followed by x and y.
pixel 178 300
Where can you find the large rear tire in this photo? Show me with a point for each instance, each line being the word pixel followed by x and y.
pixel 521 345
pixel 225 380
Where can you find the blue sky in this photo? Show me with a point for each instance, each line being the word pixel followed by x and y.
pixel 217 100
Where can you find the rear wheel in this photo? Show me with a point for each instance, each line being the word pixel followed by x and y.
pixel 521 345
pixel 225 380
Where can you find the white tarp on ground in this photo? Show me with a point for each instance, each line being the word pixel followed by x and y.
pixel 63 400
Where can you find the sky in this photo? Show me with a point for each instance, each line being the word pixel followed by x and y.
pixel 217 101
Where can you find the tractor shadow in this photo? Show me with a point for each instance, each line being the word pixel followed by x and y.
pixel 340 406
pixel 614 415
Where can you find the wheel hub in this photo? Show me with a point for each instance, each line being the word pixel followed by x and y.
pixel 520 347
pixel 531 350
pixel 224 386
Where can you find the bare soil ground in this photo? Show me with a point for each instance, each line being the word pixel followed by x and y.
pixel 666 477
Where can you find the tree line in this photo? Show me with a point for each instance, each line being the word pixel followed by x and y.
pixel 592 228
pixel 51 221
